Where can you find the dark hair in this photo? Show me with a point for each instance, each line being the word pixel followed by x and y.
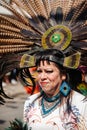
pixel 73 76
pixel 53 55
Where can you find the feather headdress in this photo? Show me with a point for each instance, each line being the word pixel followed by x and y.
pixel 34 25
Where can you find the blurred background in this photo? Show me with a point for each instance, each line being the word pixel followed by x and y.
pixel 12 108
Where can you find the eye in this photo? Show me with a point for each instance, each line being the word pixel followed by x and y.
pixel 39 71
pixel 49 71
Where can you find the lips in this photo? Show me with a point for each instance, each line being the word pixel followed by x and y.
pixel 43 83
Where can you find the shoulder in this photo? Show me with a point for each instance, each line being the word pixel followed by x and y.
pixel 78 98
pixel 77 94
pixel 31 98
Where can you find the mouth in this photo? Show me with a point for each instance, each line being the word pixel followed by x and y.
pixel 43 83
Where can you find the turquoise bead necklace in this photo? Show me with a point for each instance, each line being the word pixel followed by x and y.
pixel 46 101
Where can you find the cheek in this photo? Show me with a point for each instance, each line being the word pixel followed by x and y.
pixel 55 78
pixel 38 78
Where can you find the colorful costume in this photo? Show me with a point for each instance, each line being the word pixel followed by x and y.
pixel 57 118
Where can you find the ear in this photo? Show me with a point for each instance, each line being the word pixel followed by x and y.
pixel 63 77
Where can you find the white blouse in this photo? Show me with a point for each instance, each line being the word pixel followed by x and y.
pixel 58 118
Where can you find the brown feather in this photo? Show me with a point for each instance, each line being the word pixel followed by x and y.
pixel 79 8
pixel 14 11
pixel 47 7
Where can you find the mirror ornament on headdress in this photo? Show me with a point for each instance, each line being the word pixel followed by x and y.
pixel 58 37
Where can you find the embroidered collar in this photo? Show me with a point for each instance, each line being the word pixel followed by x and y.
pixel 49 104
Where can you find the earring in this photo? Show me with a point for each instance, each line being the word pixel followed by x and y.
pixel 65 89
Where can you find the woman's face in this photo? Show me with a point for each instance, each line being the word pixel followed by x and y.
pixel 49 78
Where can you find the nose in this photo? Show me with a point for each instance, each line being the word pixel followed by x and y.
pixel 43 76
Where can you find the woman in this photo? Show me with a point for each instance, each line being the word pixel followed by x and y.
pixel 57 106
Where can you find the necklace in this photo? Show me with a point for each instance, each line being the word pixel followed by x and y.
pixel 51 99
pixel 49 104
